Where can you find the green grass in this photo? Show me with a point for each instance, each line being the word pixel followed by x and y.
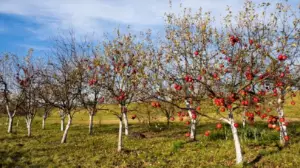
pixel 162 147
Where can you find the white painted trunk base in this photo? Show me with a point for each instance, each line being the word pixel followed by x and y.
pixel 28 124
pixel 120 136
pixel 91 124
pixel 193 122
pixel 283 128
pixel 125 119
pixel 64 138
pixel 10 124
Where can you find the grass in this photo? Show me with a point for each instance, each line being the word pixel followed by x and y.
pixel 161 148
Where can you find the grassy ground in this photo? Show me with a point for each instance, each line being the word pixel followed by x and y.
pixel 161 148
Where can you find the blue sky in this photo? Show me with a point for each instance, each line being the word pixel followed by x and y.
pixel 28 24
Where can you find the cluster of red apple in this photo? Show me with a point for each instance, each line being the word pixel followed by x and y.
pixel 188 78
pixel 101 100
pixel 282 57
pixel 92 82
pixel 272 124
pixel 133 116
pixel 121 97
pixel 233 40
pixel 155 104
pixel 177 87
pixel 23 83
pixel 181 115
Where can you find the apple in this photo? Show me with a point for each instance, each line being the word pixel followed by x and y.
pixel 133 116
pixel 207 133
pixel 172 118
pixel 281 120
pixel 286 138
pixel 293 103
pixel 236 125
pixel 250 41
pixel 219 126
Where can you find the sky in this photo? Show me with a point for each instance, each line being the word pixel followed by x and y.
pixel 28 24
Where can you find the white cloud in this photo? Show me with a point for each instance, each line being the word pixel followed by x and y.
pixel 104 15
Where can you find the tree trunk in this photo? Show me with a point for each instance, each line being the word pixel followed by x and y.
pixel 43 123
pixel 125 118
pixel 120 136
pixel 91 124
pixel 244 118
pixel 283 128
pixel 193 122
pixel 28 123
pixel 237 145
pixel 10 124
pixel 168 122
pixel 64 138
pixel 62 123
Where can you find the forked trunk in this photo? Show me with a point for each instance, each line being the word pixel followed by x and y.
pixel 91 124
pixel 193 122
pixel 125 119
pixel 120 136
pixel 64 138
pixel 10 119
pixel 28 124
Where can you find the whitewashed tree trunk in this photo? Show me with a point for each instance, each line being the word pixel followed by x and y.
pixel 91 124
pixel 43 122
pixel 64 138
pixel 28 124
pixel 193 122
pixel 10 119
pixel 120 136
pixel 125 119
pixel 244 118
pixel 62 123
pixel 283 128
pixel 10 124
pixel 237 145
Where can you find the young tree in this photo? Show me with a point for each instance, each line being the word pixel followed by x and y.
pixel 63 81
pixel 9 92
pixel 125 69
pixel 93 87
pixel 26 78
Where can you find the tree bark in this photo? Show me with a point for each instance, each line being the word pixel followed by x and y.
pixel 43 122
pixel 283 128
pixel 244 118
pixel 28 123
pixel 10 119
pixel 237 145
pixel 120 136
pixel 62 123
pixel 91 124
pixel 125 118
pixel 10 124
pixel 193 122
pixel 64 138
